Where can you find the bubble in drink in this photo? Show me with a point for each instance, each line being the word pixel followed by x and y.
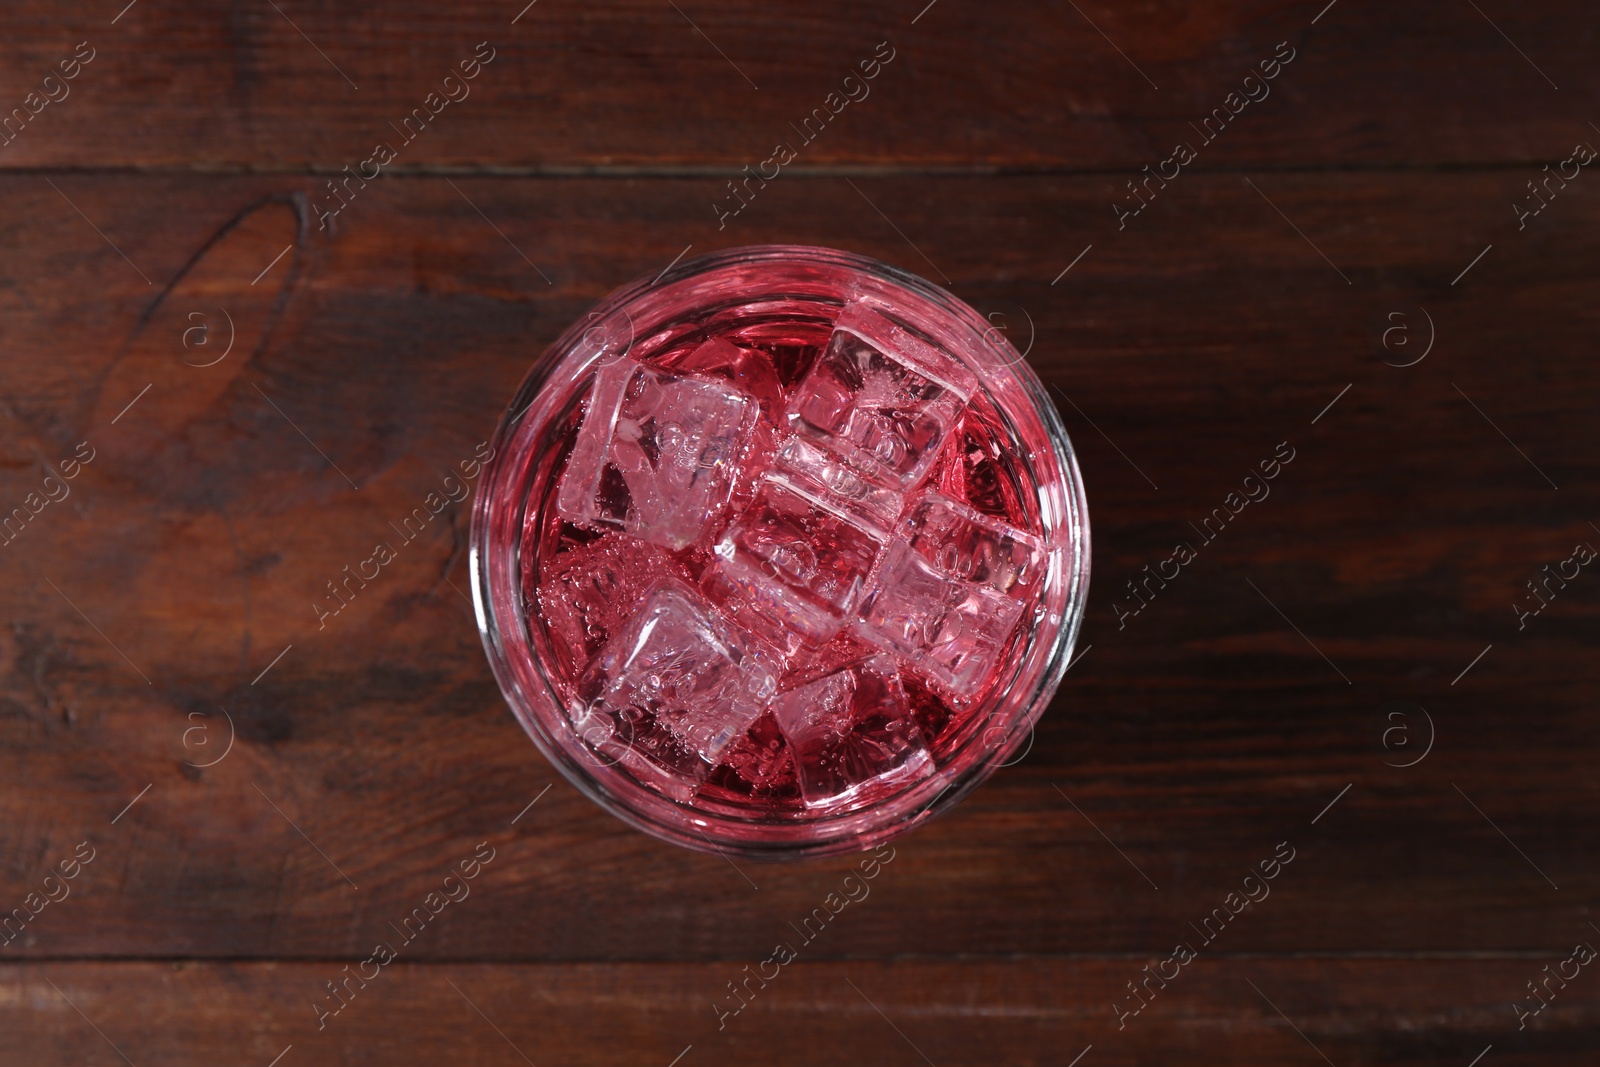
pixel 589 592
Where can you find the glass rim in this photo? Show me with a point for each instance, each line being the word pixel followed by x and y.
pixel 500 611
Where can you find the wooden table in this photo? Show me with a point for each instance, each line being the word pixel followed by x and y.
pixel 253 376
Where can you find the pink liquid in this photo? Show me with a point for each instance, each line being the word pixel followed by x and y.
pixel 590 578
pixel 782 553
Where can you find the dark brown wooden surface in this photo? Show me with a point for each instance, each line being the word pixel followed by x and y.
pixel 1184 746
pixel 636 83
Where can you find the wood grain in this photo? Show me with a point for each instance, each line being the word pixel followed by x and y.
pixel 249 387
pixel 1196 736
pixel 1412 1013
pixel 636 84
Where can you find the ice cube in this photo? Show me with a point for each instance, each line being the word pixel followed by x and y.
pixel 967 544
pixel 950 592
pixel 668 694
pixel 589 592
pixel 656 453
pixel 949 630
pixel 850 729
pixel 792 566
pixel 824 474
pixel 880 397
pixel 840 650
pixel 753 373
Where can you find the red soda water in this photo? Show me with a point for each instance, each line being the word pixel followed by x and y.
pixel 780 551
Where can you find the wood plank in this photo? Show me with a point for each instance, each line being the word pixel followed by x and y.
pixel 1196 738
pixel 636 84
pixel 1413 1013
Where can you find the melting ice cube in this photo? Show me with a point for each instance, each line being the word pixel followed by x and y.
pixel 656 453
pixel 965 543
pixel 793 565
pixel 949 592
pixel 588 593
pixel 752 372
pixel 825 475
pixel 670 692
pixel 849 729
pixel 881 398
